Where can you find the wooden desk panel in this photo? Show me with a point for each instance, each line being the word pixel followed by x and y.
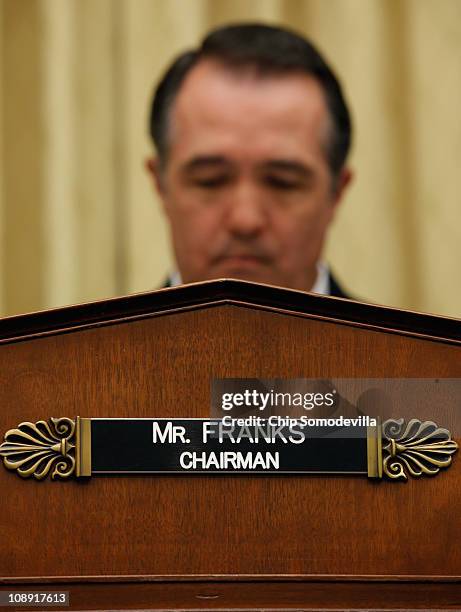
pixel 200 526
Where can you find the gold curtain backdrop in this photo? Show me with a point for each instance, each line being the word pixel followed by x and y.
pixel 78 218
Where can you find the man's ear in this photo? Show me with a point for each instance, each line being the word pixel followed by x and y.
pixel 342 182
pixel 152 165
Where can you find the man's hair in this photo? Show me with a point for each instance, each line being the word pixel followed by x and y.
pixel 268 50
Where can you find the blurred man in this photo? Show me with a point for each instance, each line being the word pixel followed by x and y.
pixel 252 134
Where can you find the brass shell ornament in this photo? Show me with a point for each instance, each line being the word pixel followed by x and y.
pixel 39 449
pixel 417 448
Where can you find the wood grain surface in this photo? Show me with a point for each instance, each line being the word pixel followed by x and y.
pixel 247 595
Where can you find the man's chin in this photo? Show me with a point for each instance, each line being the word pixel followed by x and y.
pixel 255 272
pixel 247 274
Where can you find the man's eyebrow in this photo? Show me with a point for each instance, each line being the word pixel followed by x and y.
pixel 287 165
pixel 204 161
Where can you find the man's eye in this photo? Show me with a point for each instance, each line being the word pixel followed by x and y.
pixel 283 184
pixel 211 182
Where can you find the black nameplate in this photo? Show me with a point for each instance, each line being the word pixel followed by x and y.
pixel 186 446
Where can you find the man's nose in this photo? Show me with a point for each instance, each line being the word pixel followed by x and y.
pixel 246 215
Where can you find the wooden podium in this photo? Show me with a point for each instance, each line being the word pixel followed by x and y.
pixel 225 542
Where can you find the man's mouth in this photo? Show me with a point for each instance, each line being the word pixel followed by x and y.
pixel 242 261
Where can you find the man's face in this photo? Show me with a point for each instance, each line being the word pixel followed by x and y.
pixel 246 186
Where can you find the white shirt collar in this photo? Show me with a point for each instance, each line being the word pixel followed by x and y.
pixel 321 285
pixel 175 279
pixel 322 282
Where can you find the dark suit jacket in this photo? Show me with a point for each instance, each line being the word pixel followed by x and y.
pixel 335 289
